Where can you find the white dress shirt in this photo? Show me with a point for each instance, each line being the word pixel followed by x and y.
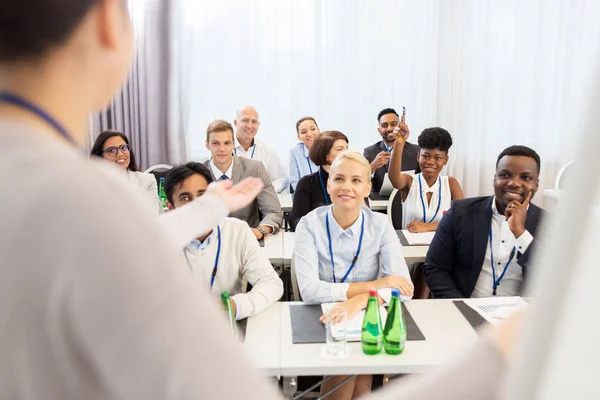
pixel 217 172
pixel 313 261
pixel 268 156
pixel 240 257
pixel 105 307
pixel 412 208
pixel 300 164
pixel 503 242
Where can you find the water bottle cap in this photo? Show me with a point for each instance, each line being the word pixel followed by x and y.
pixel 396 292
pixel 372 292
pixel 225 294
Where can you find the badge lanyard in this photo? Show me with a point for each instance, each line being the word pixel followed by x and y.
pixel 308 162
pixel 423 201
pixel 11 98
pixel 214 271
pixel 216 266
pixel 253 149
pixel 389 150
pixel 512 254
pixel 362 231
pixel 323 187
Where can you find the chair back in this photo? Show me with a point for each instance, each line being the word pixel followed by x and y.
pixel 295 290
pixel 394 210
pixel 159 171
pixel 563 175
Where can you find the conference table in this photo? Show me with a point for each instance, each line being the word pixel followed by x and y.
pixel 268 344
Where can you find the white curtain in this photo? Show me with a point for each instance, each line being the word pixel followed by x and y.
pixel 141 108
pixel 492 73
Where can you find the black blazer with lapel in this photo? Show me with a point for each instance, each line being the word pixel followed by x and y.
pixel 457 251
pixel 409 161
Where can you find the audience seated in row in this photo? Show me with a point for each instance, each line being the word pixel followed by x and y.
pixel 459 261
pixel 221 259
pixel 311 190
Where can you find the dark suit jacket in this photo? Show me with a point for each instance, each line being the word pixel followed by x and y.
pixel 308 196
pixel 409 161
pixel 457 251
pixel 266 202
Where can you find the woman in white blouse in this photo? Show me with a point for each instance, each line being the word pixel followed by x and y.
pixel 426 196
pixel 300 163
pixel 114 146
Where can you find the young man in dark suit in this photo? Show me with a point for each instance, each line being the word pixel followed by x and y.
pixel 380 153
pixel 483 245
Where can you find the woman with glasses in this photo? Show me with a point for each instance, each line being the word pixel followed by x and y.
pixel 114 146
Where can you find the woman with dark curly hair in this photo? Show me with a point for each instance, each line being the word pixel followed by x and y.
pixel 426 195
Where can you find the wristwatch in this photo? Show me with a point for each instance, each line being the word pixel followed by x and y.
pixel 262 230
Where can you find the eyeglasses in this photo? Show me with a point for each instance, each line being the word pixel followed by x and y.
pixel 112 151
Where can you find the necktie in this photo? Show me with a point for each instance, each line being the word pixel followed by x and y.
pixel 224 177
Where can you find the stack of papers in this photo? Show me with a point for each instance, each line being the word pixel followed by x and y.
pixel 354 325
pixel 496 309
pixel 423 238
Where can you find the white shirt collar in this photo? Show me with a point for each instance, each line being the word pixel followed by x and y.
pixel 217 172
pixel 238 146
pixel 495 210
pixel 336 229
pixel 198 245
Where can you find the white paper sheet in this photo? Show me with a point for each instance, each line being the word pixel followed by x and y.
pixel 423 238
pixel 496 309
pixel 354 326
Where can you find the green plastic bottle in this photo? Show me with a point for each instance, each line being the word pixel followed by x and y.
pixel 394 332
pixel 226 303
pixel 161 193
pixel 372 335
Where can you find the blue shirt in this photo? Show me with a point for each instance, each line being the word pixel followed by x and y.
pixel 300 164
pixel 313 262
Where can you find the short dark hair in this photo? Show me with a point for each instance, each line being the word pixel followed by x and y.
pixel 301 120
pixel 386 111
pixel 98 147
pixel 218 125
pixel 323 144
pixel 31 28
pixel 177 175
pixel 435 138
pixel 522 151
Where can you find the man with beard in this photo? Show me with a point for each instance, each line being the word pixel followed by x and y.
pixel 380 153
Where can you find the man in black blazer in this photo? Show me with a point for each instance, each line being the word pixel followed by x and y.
pixel 380 153
pixel 460 261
